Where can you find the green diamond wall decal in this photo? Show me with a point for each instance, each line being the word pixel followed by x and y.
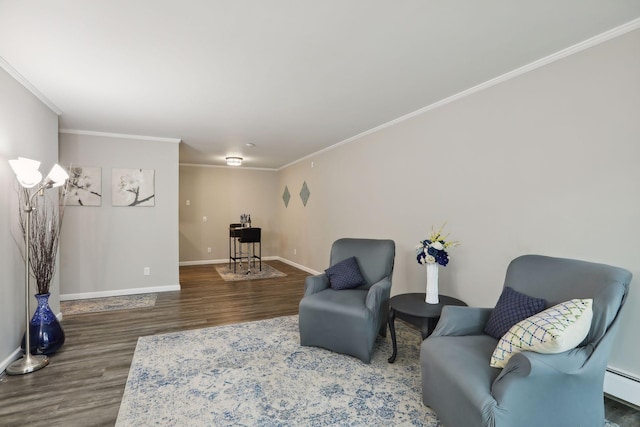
pixel 286 196
pixel 305 193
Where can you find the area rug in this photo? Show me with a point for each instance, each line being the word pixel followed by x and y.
pixel 257 374
pixel 241 272
pixel 93 305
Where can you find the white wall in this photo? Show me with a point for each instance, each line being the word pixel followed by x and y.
pixel 105 249
pixel 28 128
pixel 222 194
pixel 543 163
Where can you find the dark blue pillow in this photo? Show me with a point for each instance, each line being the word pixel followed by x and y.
pixel 511 308
pixel 345 274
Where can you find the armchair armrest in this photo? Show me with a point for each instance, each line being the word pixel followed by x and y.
pixel 378 292
pixel 542 372
pixel 457 320
pixel 315 284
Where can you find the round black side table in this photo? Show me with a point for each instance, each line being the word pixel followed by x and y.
pixel 413 309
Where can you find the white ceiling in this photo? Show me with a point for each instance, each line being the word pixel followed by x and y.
pixel 290 76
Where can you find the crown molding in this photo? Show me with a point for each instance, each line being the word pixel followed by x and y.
pixel 571 50
pixel 31 88
pixel 119 135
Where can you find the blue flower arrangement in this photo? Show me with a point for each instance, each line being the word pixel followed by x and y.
pixel 433 249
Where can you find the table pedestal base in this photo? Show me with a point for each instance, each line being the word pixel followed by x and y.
pixel 413 309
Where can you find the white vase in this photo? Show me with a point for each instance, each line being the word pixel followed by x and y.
pixel 432 284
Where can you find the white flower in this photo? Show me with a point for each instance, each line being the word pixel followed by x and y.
pixel 429 259
pixel 437 245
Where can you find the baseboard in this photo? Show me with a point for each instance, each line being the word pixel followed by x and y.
pixel 203 262
pixel 299 267
pixel 119 292
pixel 622 385
pixel 13 356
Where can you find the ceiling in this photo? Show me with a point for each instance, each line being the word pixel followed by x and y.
pixel 290 76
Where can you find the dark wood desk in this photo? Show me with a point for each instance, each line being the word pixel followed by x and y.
pixel 413 309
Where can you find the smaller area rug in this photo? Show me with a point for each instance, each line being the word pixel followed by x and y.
pixel 241 272
pixel 93 305
pixel 257 374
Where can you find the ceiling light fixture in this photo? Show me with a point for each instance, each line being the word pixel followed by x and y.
pixel 234 161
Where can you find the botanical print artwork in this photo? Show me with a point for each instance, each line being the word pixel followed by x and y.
pixel 84 187
pixel 133 187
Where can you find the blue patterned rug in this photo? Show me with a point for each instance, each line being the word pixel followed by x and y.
pixel 257 374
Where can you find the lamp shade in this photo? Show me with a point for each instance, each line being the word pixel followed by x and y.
pixel 57 176
pixel 26 171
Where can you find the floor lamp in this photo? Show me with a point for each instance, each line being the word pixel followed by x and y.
pixel 28 176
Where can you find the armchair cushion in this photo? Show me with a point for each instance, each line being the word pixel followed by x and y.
pixel 512 307
pixel 555 330
pixel 345 274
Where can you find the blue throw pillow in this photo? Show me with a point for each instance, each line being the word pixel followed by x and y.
pixel 511 308
pixel 345 274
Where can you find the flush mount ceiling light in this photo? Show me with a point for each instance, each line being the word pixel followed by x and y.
pixel 234 161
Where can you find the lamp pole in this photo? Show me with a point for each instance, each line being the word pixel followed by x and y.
pixel 28 363
pixel 28 176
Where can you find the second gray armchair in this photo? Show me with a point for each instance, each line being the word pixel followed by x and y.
pixel 533 389
pixel 349 320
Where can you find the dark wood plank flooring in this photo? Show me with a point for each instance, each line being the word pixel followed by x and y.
pixel 85 380
pixel 84 383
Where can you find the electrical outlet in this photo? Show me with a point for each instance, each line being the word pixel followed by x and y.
pixel 204 219
pixel 147 271
pixel 209 250
pixel 188 202
pixel 295 252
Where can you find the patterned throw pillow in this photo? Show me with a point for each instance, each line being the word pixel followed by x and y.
pixel 511 308
pixel 345 274
pixel 557 329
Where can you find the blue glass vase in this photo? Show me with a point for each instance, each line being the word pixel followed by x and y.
pixel 45 331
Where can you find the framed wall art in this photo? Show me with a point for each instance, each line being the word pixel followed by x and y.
pixel 84 187
pixel 133 187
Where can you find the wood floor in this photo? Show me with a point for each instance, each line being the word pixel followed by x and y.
pixel 84 383
pixel 85 380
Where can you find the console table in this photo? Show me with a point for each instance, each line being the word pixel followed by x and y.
pixel 413 309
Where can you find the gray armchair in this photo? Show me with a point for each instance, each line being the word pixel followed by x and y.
pixel 564 389
pixel 349 320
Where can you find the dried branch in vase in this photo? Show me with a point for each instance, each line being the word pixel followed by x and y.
pixel 46 224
